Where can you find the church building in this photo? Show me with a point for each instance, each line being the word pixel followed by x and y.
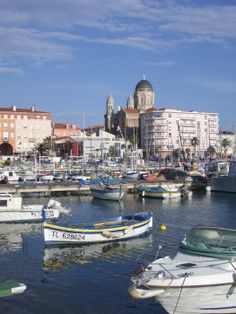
pixel 125 122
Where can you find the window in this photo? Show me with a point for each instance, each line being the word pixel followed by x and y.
pixel 5 124
pixel 12 125
pixel 3 203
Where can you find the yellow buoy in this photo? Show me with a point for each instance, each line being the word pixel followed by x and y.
pixel 163 227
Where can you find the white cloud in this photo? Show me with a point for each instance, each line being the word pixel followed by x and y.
pixel 46 30
pixel 32 45
pixel 11 70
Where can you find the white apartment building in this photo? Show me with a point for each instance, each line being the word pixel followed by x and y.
pixel 165 130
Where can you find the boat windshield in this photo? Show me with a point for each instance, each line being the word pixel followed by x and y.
pixel 216 242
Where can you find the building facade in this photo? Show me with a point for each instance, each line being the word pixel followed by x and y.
pixel 63 129
pixel 125 121
pixel 165 130
pixel 95 147
pixel 21 129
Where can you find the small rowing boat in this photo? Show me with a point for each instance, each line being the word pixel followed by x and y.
pixel 115 228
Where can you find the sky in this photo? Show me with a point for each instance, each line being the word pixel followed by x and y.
pixel 67 56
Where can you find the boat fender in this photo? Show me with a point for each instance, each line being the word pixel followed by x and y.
pixel 143 193
pixel 109 235
pixel 144 294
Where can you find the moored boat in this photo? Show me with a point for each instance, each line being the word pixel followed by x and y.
pixel 160 190
pixel 201 278
pixel 226 182
pixel 13 210
pixel 107 192
pixel 115 228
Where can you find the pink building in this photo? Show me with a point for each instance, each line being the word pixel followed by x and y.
pixel 64 130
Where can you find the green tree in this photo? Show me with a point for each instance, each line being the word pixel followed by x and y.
pixel 176 153
pixel 225 143
pixel 187 151
pixel 112 151
pixel 195 142
pixel 44 148
pixel 211 151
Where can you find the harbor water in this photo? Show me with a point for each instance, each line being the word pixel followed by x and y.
pixel 93 279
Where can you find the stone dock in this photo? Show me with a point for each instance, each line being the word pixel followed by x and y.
pixel 50 189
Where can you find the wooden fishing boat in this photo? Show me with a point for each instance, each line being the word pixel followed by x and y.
pixel 107 192
pixel 115 228
pixel 200 278
pixel 13 210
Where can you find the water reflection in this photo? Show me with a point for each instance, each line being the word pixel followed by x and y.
pixel 57 258
pixel 12 235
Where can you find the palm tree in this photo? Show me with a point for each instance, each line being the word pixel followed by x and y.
pixel 176 154
pixel 45 147
pixel 225 144
pixel 187 151
pixel 211 151
pixel 195 142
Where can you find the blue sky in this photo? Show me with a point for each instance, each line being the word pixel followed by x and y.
pixel 66 56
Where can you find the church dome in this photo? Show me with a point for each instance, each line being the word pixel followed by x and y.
pixel 110 99
pixel 130 102
pixel 144 84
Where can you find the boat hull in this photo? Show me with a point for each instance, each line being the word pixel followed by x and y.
pixel 223 184
pixel 111 195
pixel 191 284
pixel 212 299
pixel 27 215
pixel 55 234
pixel 162 195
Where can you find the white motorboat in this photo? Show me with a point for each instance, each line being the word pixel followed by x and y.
pixel 201 278
pixel 10 175
pixel 13 210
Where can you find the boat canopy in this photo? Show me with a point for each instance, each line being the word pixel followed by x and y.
pixel 214 242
